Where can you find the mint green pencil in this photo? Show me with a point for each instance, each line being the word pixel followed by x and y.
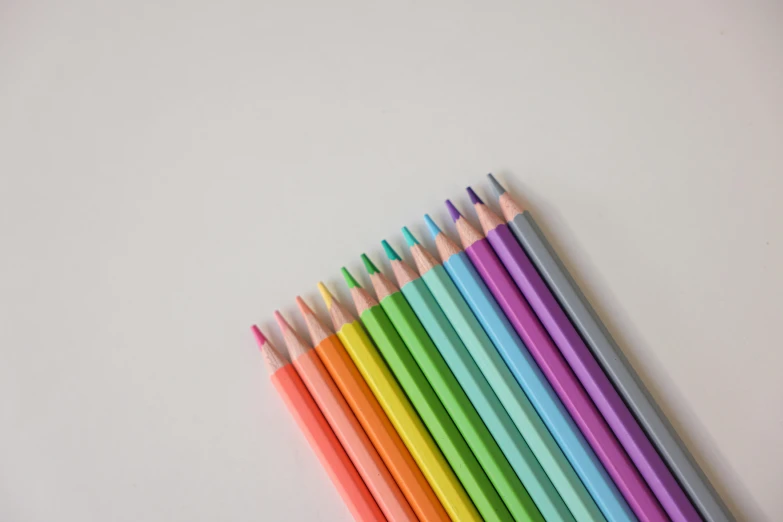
pixel 403 307
pixel 551 461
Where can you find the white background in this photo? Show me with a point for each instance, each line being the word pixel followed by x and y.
pixel 173 171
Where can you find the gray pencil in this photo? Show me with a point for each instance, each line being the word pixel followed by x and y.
pixel 612 360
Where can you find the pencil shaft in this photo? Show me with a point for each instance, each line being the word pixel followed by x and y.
pixel 322 439
pixel 352 437
pixel 413 433
pixel 565 384
pixel 550 466
pixel 379 429
pixel 434 415
pixel 464 392
pixel 588 371
pixel 619 370
pixel 551 411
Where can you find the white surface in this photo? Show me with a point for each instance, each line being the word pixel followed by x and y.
pixel 172 172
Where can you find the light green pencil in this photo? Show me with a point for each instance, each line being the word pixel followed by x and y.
pixel 403 307
pixel 550 460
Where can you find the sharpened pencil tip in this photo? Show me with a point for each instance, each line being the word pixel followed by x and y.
pixel 409 238
pixel 281 322
pixel 369 266
pixel 497 188
pixel 349 280
pixel 473 196
pixel 433 228
pixel 260 337
pixel 453 212
pixel 303 308
pixel 390 253
pixel 325 295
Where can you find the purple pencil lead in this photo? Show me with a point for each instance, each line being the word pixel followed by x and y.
pixel 453 212
pixel 474 197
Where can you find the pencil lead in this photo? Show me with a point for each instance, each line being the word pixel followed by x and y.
pixel 260 337
pixel 453 212
pixel 473 196
pixel 390 253
pixel 325 295
pixel 349 280
pixel 409 238
pixel 434 229
pixel 281 322
pixel 303 308
pixel 369 266
pixel 497 188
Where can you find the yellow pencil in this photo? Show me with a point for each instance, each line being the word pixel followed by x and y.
pixel 400 412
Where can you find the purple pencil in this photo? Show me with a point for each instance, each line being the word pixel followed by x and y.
pixel 583 363
pixel 557 372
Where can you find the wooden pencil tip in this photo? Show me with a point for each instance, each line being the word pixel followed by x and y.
pixel 453 212
pixel 473 196
pixel 409 238
pixel 390 253
pixel 303 308
pixel 369 266
pixel 281 322
pixel 433 228
pixel 325 295
pixel 496 187
pixel 259 335
pixel 349 280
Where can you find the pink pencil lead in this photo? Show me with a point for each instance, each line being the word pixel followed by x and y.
pixel 260 337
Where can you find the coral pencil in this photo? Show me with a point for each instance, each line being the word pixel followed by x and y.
pixel 614 363
pixel 345 425
pixel 538 390
pixel 549 467
pixel 405 420
pixel 372 418
pixel 470 401
pixel 557 371
pixel 318 433
pixel 596 383
pixel 427 404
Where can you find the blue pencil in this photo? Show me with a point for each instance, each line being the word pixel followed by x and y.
pixel 530 378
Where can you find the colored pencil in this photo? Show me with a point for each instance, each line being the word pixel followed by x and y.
pixel 403 310
pixel 372 418
pixel 611 358
pixel 557 371
pixel 583 363
pixel 345 425
pixel 538 390
pixel 549 462
pixel 319 435
pixel 404 418
pixel 478 413
pixel 427 404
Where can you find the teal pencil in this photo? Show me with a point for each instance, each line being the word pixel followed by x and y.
pixel 461 387
pixel 551 467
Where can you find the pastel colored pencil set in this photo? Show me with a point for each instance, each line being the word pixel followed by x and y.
pixel 479 384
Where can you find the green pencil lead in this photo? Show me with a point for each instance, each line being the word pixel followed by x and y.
pixel 371 268
pixel 390 253
pixel 349 280
pixel 412 241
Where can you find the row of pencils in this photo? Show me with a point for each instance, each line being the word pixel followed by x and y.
pixel 482 386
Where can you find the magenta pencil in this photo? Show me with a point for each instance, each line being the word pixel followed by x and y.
pixel 583 363
pixel 557 372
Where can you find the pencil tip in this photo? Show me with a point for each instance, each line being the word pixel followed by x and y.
pixel 433 228
pixel 497 188
pixel 349 280
pixel 473 196
pixel 390 253
pixel 453 212
pixel 325 295
pixel 281 322
pixel 260 337
pixel 303 308
pixel 369 266
pixel 409 238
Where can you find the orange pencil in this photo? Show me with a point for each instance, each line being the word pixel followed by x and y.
pixel 318 433
pixel 373 419
pixel 345 425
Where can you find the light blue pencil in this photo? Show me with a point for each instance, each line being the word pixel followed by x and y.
pixel 530 378
pixel 524 416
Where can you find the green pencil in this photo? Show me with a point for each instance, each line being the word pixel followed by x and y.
pixel 550 467
pixel 402 308
pixel 427 404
